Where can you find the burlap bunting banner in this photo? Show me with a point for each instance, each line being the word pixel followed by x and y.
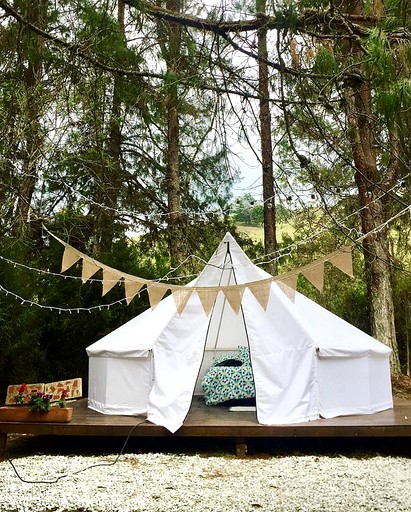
pixel 261 291
pixel 155 293
pixel 234 296
pixel 132 287
pixel 207 298
pixel 89 269
pixel 315 275
pixel 181 298
pixel 314 272
pixel 343 260
pixel 70 257
pixel 288 285
pixel 110 279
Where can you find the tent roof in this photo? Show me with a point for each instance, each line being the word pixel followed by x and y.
pixel 239 266
pixel 332 335
pixel 135 337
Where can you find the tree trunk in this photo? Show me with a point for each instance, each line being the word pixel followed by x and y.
pixel 361 131
pixel 173 56
pixel 270 240
pixel 106 217
pixel 31 75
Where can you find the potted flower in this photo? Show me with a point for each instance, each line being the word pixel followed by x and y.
pixel 37 407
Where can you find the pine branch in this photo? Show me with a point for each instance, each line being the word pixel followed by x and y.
pixel 74 48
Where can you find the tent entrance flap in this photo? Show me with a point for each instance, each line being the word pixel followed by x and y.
pixel 179 360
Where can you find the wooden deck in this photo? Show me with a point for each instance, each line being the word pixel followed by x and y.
pixel 203 421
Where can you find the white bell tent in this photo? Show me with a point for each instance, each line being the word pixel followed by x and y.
pixel 307 362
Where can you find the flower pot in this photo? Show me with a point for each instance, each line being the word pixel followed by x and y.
pixel 54 415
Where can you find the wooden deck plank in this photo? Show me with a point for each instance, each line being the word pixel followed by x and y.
pixel 217 421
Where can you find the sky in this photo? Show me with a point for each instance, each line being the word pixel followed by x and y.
pixel 246 162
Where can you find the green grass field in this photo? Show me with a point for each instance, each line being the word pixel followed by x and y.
pixel 257 232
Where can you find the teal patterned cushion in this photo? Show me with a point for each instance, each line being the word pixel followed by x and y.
pixel 224 383
pixel 244 354
pixel 225 357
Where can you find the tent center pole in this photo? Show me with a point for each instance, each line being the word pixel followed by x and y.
pixel 227 256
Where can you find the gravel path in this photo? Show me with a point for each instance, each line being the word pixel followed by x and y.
pixel 161 482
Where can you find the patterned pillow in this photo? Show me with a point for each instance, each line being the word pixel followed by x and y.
pixel 244 354
pixel 225 357
pixel 223 383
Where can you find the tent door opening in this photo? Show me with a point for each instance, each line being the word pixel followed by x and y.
pixel 226 330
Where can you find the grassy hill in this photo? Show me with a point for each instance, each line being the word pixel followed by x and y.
pixel 257 232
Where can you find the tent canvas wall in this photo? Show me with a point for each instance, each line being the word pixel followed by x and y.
pixel 306 361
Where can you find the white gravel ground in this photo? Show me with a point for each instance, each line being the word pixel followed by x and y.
pixel 161 482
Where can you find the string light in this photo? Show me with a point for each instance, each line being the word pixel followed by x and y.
pixel 156 216
pixel 40 271
pixel 60 309
pixel 386 223
pixel 124 300
pixel 350 232
pixel 213 211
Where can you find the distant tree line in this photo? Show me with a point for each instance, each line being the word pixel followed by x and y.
pixel 247 210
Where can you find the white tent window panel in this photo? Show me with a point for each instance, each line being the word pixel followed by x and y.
pixel 120 385
pixel 353 385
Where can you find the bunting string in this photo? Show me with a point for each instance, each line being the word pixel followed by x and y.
pixel 314 272
pixel 349 232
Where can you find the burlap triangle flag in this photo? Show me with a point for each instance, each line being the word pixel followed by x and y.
pixel 207 298
pixel 110 278
pixel 261 291
pixel 132 287
pixel 234 295
pixel 155 293
pixel 288 285
pixel 315 275
pixel 181 297
pixel 89 269
pixel 343 260
pixel 70 257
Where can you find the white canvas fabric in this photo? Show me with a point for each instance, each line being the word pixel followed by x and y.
pixel 178 352
pixel 283 361
pixel 121 369
pixel 306 361
pixel 120 385
pixel 353 368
